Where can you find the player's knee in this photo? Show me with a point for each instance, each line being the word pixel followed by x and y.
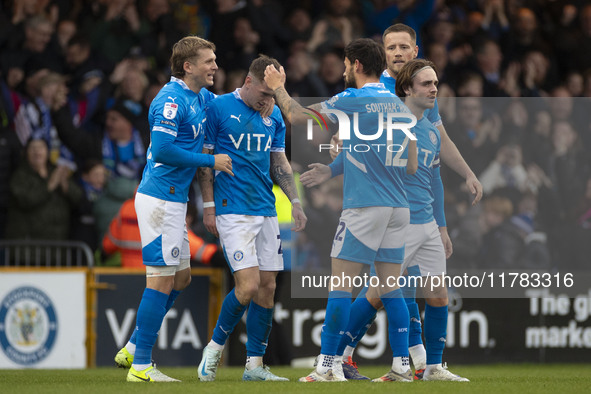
pixel 182 278
pixel 245 292
pixel 268 287
pixel 182 283
pixel 436 297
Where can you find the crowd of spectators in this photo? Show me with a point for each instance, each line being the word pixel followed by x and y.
pixel 514 77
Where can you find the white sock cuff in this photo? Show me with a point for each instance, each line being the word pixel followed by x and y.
pixel 418 356
pixel 253 362
pixel 130 348
pixel 348 352
pixel 140 367
pixel 400 364
pixel 215 346
pixel 325 362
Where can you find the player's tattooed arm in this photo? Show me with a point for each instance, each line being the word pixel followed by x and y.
pixel 206 179
pixel 206 184
pixel 282 174
pixel 290 108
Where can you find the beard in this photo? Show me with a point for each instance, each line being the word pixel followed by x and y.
pixel 350 81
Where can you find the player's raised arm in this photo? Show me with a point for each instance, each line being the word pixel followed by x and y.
pixel 290 108
pixel 282 175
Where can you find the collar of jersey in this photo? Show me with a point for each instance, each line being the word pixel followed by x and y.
pixel 236 94
pixel 374 84
pixel 180 82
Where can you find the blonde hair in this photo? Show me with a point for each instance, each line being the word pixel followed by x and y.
pixel 185 49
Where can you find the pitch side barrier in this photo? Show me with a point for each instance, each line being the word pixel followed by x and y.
pixel 57 310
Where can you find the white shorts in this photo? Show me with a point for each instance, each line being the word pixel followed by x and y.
pixel 163 231
pixel 250 241
pixel 370 234
pixel 424 250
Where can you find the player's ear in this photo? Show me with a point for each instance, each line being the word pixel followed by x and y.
pixel 358 67
pixel 187 67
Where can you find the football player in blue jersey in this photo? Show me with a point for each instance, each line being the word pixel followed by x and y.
pixel 174 154
pixel 375 207
pixel 400 46
pixel 425 254
pixel 241 211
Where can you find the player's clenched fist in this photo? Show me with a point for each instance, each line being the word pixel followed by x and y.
pixel 223 163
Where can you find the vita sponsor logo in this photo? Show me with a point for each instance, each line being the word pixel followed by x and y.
pixel 250 143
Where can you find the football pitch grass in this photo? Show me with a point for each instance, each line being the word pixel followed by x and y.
pixel 496 378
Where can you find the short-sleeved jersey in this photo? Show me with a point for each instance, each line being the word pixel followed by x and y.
pixel 178 111
pixel 418 186
pixel 373 169
pixel 431 114
pixel 234 128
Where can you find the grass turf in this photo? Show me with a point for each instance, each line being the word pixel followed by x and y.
pixel 497 378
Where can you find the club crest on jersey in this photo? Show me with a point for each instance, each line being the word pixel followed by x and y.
pixel 238 255
pixel 170 110
pixel 267 121
pixel 175 252
pixel 433 137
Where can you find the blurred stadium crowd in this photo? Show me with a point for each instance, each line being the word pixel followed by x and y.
pixel 515 76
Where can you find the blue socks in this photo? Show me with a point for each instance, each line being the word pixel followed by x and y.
pixel 335 321
pixel 150 314
pixel 398 322
pixel 171 298
pixel 414 329
pixel 435 331
pixel 361 318
pixel 231 313
pixel 259 321
pixel 409 293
